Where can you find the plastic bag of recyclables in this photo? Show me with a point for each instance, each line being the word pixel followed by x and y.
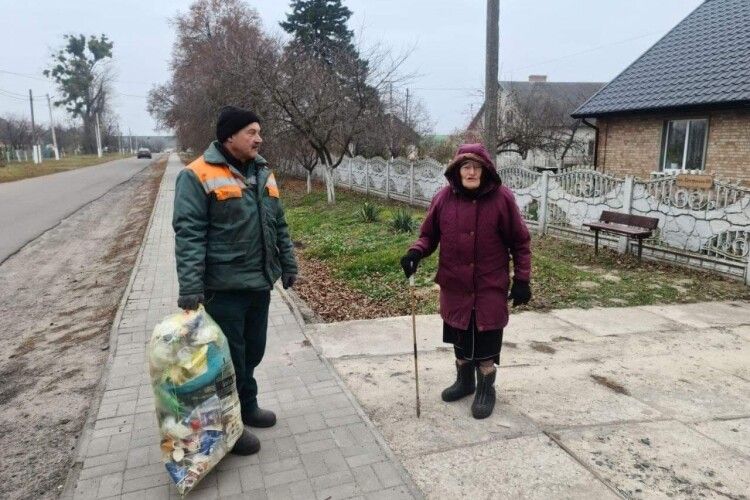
pixel 196 398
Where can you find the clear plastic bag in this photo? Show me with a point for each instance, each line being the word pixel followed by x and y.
pixel 196 397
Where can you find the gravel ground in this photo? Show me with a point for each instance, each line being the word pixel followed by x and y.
pixel 58 297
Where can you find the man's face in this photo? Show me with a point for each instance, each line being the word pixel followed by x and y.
pixel 471 174
pixel 245 143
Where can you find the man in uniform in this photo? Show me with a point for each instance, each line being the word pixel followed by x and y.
pixel 231 245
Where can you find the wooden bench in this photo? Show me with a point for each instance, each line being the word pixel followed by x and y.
pixel 631 226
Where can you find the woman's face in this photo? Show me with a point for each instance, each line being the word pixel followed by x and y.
pixel 471 174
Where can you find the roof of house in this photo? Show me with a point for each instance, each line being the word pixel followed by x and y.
pixel 568 95
pixel 704 60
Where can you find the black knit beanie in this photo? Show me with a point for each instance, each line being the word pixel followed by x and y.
pixel 232 119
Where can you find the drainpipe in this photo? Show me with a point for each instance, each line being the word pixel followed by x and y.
pixel 596 139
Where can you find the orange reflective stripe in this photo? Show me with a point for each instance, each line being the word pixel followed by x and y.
pixel 226 192
pixel 215 177
pixel 273 188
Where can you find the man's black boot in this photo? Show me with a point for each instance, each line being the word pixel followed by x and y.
pixel 247 444
pixel 257 417
pixel 464 384
pixel 484 400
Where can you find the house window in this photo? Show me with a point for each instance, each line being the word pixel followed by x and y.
pixel 684 144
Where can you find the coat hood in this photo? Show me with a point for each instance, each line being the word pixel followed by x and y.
pixel 478 153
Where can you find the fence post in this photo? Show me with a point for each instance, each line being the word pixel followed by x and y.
pixel 367 176
pixel 542 212
pixel 627 204
pixel 388 178
pixel 411 182
pixel 350 173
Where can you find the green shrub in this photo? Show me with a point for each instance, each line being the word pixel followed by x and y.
pixel 369 212
pixel 403 221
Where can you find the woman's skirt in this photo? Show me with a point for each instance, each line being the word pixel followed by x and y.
pixel 474 345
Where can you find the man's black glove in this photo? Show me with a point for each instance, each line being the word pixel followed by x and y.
pixel 520 292
pixel 190 302
pixel 410 261
pixel 288 280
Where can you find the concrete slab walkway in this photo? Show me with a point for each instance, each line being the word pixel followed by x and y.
pixel 322 447
pixel 641 402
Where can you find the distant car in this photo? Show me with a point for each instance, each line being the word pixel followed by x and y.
pixel 144 153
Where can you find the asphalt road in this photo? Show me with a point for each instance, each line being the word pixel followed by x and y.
pixel 30 207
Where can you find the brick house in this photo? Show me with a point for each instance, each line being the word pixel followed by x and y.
pixel 684 105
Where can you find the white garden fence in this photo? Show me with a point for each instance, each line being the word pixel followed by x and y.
pixel 701 228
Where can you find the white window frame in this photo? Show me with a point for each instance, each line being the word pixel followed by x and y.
pixel 665 143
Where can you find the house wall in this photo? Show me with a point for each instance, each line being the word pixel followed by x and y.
pixel 631 145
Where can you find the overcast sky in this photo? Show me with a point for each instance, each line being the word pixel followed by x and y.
pixel 567 40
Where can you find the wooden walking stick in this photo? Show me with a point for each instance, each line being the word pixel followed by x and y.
pixel 414 336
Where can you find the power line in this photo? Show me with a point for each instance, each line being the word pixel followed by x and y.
pixel 15 95
pixel 10 95
pixel 11 92
pixel 592 49
pixel 25 75
pixel 451 89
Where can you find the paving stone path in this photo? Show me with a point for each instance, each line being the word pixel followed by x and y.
pixel 322 446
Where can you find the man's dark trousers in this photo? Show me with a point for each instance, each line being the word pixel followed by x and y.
pixel 243 317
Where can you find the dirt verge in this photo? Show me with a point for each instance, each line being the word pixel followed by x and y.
pixel 58 297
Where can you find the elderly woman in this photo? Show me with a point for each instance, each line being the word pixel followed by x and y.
pixel 479 227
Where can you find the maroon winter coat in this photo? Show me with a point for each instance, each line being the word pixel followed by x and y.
pixel 477 235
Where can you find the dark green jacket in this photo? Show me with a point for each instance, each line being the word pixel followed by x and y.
pixel 233 237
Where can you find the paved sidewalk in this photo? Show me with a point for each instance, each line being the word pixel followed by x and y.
pixel 322 446
pixel 635 402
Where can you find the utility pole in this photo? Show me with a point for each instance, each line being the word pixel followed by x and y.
pixel 406 114
pixel 36 157
pixel 98 137
pixel 390 118
pixel 130 140
pixel 491 77
pixel 52 126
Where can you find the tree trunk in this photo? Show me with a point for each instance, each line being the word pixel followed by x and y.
pixel 309 182
pixel 89 140
pixel 330 191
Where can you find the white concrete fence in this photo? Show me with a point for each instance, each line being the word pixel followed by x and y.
pixel 700 228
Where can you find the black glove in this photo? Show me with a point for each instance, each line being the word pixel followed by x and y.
pixel 520 292
pixel 288 280
pixel 410 261
pixel 190 302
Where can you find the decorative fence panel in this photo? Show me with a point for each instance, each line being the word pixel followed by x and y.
pixel 703 228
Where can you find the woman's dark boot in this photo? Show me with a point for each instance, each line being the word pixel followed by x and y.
pixel 484 400
pixel 464 384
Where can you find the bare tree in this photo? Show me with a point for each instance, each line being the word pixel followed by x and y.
pixel 330 102
pixel 536 121
pixel 216 60
pixel 401 127
pixel 15 132
pixel 306 157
